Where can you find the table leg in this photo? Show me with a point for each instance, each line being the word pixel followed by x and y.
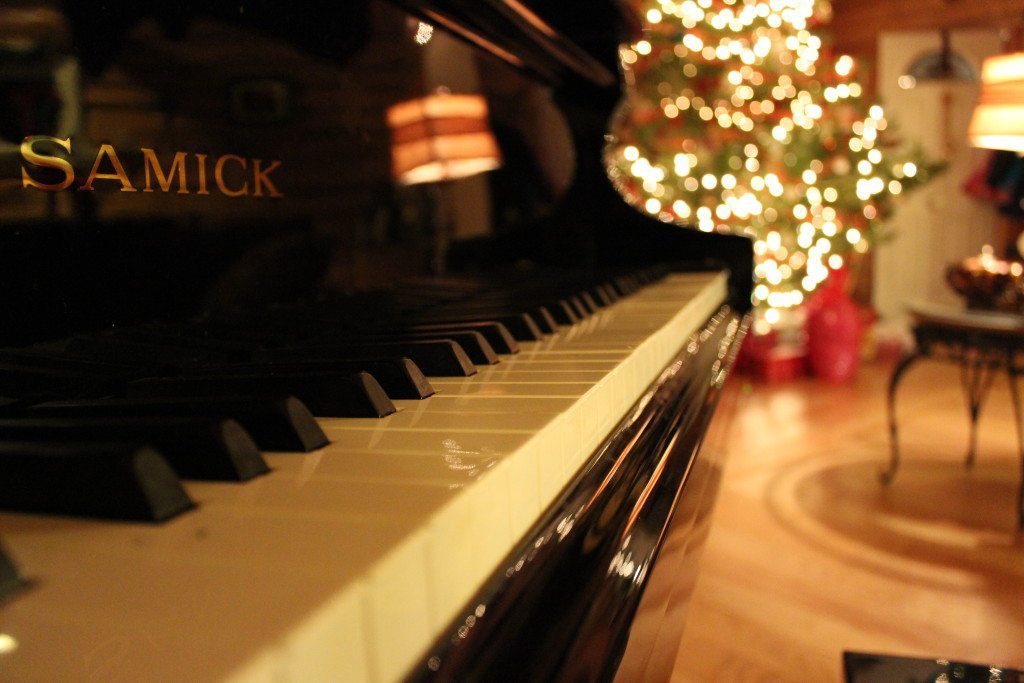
pixel 1015 394
pixel 976 377
pixel 886 475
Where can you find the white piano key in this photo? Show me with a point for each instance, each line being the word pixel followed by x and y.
pixel 508 421
pixel 368 465
pixel 396 503
pixel 538 360
pixel 511 389
pixel 512 364
pixel 450 534
pixel 506 373
pixel 436 442
pixel 211 582
pixel 311 651
pixel 487 404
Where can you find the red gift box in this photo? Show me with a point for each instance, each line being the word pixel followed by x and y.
pixel 765 358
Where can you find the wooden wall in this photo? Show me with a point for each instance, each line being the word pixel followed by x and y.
pixel 857 23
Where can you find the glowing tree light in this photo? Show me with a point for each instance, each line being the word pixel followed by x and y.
pixel 739 119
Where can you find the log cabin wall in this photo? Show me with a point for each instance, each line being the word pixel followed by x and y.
pixel 858 23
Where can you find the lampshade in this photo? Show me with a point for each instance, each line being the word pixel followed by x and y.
pixel 998 121
pixel 441 137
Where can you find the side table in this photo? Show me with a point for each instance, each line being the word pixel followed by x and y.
pixel 982 344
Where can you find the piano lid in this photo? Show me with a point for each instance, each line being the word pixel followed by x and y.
pixel 522 33
pixel 518 33
pixel 162 160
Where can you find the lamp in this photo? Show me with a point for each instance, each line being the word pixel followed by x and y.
pixel 441 137
pixel 998 120
pixel 943 66
pixel 437 139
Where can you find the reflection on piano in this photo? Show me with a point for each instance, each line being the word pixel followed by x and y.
pixel 263 437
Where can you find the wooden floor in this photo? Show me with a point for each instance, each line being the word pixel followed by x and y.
pixel 809 556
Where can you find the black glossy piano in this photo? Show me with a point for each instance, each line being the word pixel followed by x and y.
pixel 328 350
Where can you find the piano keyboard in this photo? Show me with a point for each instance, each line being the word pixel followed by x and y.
pixel 345 562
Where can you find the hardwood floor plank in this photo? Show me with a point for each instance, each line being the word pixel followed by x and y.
pixel 809 555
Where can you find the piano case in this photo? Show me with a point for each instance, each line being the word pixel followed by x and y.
pixel 218 177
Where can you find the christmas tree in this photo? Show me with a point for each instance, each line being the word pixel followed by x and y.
pixel 739 118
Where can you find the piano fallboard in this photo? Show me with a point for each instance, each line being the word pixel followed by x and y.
pixel 348 562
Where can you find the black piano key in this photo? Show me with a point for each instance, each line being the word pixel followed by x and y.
pixel 53 361
pixel 326 394
pixel 10 580
pixel 197 448
pixel 478 349
pixel 521 326
pixel 462 285
pixel 496 333
pixel 265 332
pixel 189 338
pixel 604 294
pixel 276 424
pixel 599 295
pixel 581 310
pixel 542 318
pixel 625 285
pixel 589 301
pixel 131 352
pixel 112 481
pixel 8 405
pixel 564 312
pixel 652 274
pixel 399 377
pixel 19 381
pixel 434 358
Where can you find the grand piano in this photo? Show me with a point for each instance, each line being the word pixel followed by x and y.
pixel 272 408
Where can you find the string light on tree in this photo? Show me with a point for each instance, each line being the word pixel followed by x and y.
pixel 740 119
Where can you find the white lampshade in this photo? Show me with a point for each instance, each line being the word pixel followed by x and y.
pixel 441 137
pixel 998 121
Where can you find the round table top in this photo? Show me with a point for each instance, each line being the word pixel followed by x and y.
pixel 928 312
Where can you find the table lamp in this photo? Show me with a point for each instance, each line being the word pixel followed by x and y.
pixel 998 120
pixel 441 137
pixel 438 139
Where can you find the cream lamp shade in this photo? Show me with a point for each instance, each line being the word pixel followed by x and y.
pixel 998 120
pixel 441 137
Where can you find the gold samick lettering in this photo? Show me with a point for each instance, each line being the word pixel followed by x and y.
pixel 262 178
pixel 33 157
pixel 218 175
pixel 173 174
pixel 109 152
pixel 150 162
pixel 201 163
